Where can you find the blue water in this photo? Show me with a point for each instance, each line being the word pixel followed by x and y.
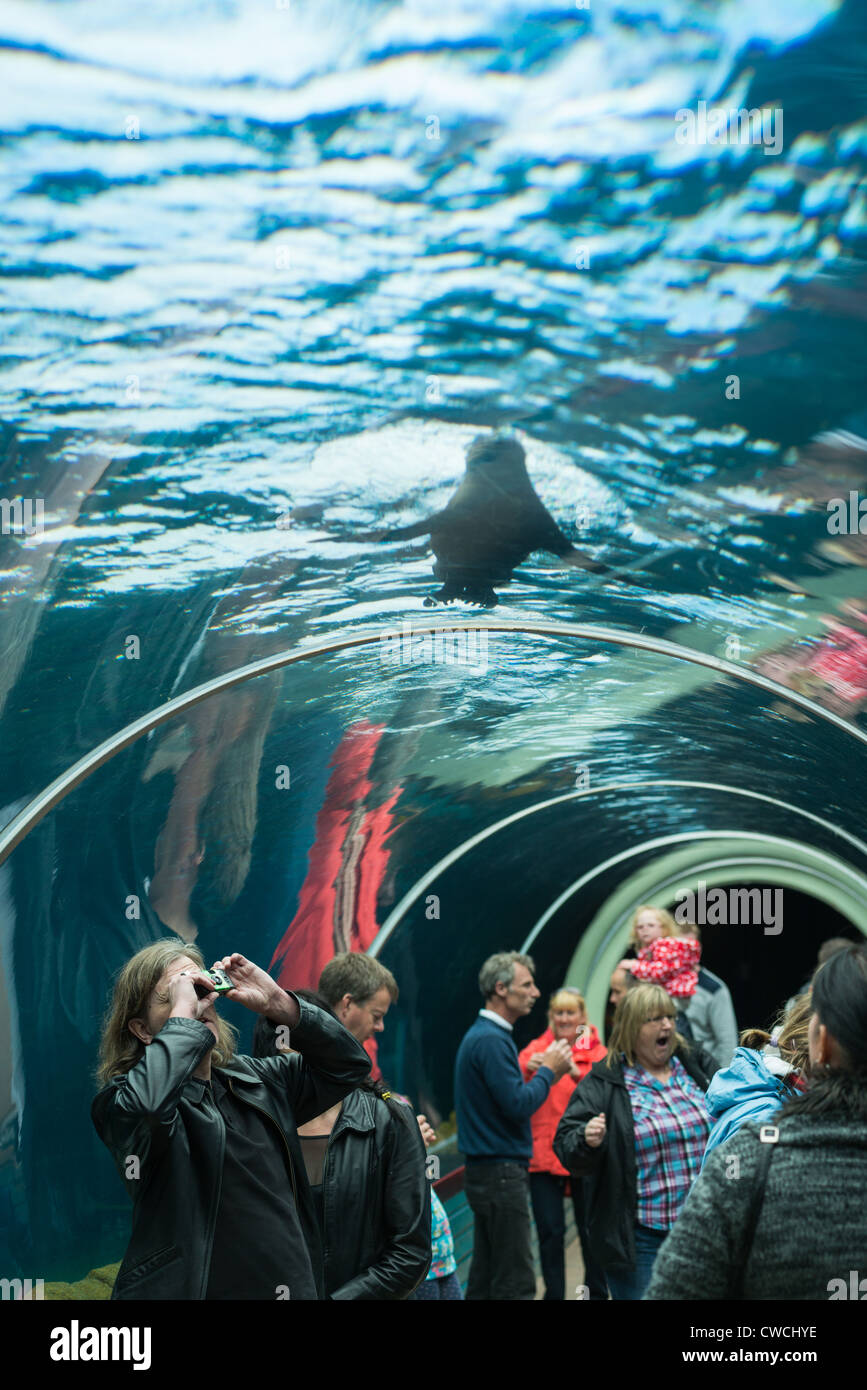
pixel 266 271
pixel 282 259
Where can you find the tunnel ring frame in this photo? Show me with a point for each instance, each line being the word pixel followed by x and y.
pixel 603 941
pixel 458 851
pixel 51 796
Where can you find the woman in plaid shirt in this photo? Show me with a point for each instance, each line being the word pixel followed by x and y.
pixel 636 1129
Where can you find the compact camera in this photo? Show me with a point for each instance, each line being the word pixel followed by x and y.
pixel 219 982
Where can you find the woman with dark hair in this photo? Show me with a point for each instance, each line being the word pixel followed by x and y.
pixel 635 1130
pixel 365 1162
pixel 779 1212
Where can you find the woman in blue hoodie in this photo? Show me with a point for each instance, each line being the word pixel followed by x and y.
pixel 765 1071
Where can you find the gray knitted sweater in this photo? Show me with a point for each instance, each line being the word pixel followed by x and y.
pixel 812 1223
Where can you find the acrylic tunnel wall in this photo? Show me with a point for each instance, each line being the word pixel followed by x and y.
pixel 268 273
pixel 427 797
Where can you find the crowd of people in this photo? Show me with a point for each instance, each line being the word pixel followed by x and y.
pixel 694 1166
pixel 663 1140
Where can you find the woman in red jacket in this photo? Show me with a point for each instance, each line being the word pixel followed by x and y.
pixel 549 1181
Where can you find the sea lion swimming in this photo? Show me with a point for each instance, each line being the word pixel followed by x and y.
pixel 492 523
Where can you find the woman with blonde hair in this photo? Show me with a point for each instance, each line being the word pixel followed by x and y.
pixel 549 1181
pixel 766 1071
pixel 635 1130
pixel 207 1141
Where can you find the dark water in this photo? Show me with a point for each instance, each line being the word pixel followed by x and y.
pixel 266 272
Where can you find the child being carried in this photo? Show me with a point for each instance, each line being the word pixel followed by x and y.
pixel 663 957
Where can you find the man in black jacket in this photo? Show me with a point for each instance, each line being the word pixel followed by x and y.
pixel 365 1158
pixel 210 1156
pixel 378 1158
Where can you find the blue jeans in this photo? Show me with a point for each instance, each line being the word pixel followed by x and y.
pixel 633 1284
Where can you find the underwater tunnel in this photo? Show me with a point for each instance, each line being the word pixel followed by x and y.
pixel 430 812
pixel 433 515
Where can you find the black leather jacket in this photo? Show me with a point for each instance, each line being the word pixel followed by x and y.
pixel 377 1202
pixel 161 1113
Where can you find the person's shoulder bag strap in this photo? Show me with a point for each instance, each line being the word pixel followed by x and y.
pixel 768 1137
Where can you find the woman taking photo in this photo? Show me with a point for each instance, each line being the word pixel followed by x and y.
pixel 635 1130
pixel 207 1141
pixel 779 1211
pixel 567 1019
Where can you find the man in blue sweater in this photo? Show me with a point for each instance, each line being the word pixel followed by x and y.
pixel 494 1105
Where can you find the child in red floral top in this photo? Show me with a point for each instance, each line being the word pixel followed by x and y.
pixel 663 957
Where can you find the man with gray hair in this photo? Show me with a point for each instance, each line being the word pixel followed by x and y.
pixel 494 1105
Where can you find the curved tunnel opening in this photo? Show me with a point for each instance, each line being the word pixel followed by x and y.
pixel 767 973
pixel 759 974
pixel 764 906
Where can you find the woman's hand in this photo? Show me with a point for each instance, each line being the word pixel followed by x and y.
pixel 534 1063
pixel 594 1131
pixel 253 988
pixel 185 1003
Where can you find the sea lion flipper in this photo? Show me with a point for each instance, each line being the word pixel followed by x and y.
pixel 416 528
pixel 546 535
pixel 578 559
